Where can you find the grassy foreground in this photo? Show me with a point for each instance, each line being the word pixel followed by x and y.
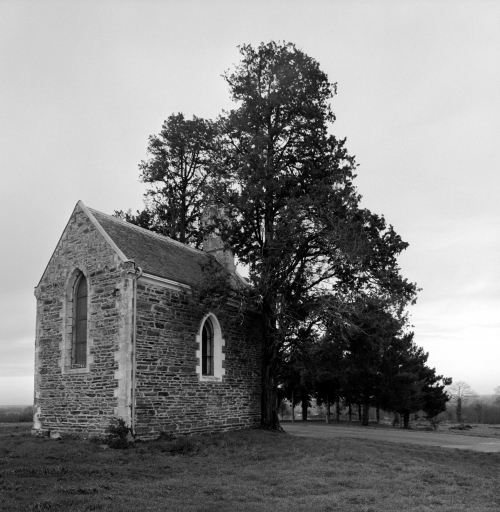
pixel 248 471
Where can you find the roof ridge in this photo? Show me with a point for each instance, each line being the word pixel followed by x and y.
pixel 163 238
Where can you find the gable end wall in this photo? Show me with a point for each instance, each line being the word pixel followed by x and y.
pixel 83 400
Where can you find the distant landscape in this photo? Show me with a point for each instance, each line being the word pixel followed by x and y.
pixel 16 413
pixel 484 409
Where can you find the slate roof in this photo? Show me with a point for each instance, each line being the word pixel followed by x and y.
pixel 154 253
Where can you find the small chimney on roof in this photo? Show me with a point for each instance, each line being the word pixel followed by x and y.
pixel 212 244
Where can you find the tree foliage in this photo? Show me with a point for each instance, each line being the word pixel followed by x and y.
pixel 323 270
pixel 372 363
pixel 176 171
pixel 293 211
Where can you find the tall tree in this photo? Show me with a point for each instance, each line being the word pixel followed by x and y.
pixel 176 171
pixel 367 346
pixel 327 372
pixel 292 211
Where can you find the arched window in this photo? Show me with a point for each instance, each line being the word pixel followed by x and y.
pixel 76 339
pixel 207 348
pixel 210 350
pixel 79 352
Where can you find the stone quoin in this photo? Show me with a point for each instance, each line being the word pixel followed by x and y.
pixel 117 337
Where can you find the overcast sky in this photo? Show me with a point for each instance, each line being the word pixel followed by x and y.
pixel 83 84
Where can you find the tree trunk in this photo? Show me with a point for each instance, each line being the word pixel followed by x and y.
pixel 327 410
pixel 378 414
pixel 406 419
pixel 337 408
pixel 182 230
pixel 304 408
pixel 269 394
pixel 350 411
pixel 395 422
pixel 359 411
pixel 459 410
pixel 366 412
pixel 293 406
pixel 479 411
pixel 269 412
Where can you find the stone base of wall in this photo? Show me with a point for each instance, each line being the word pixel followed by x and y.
pixel 145 434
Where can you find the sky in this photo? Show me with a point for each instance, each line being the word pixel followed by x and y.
pixel 84 83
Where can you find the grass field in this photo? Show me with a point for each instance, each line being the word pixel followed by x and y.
pixel 249 471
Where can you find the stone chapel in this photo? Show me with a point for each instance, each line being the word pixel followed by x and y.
pixel 116 337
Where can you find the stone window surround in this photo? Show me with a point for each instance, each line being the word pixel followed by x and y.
pixel 218 355
pixel 67 327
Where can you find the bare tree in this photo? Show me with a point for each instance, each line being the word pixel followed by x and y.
pixel 497 395
pixel 460 394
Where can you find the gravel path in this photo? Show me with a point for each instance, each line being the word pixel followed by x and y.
pixel 324 431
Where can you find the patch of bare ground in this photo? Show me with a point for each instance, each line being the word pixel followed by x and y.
pixel 248 471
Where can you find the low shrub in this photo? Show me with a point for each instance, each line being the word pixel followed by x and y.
pixel 119 435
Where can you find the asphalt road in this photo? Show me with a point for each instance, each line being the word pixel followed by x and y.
pixel 324 431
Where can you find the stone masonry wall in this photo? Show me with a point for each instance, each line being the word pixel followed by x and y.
pixel 81 400
pixel 169 395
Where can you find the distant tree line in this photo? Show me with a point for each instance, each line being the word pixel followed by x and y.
pixel 323 271
pixel 466 406
pixel 478 411
pixel 374 366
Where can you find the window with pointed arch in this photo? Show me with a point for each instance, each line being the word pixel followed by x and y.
pixel 80 317
pixel 75 343
pixel 207 348
pixel 209 354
